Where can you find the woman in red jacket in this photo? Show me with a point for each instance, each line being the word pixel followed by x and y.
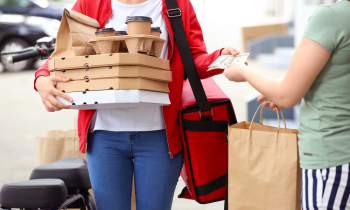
pixel 148 135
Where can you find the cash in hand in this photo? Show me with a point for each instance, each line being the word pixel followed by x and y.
pixel 224 60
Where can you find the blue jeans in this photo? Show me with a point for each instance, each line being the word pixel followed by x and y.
pixel 110 158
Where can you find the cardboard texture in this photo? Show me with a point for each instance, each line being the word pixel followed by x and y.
pixel 264 171
pixel 114 59
pixel 106 99
pixel 148 44
pixel 112 83
pixel 116 71
pixel 74 34
pixel 105 47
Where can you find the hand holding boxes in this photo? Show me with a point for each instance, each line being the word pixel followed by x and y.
pixel 113 78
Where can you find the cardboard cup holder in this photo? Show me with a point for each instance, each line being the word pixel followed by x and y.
pixel 105 47
pixel 145 44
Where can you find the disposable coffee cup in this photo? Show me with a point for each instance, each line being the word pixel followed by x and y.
pixel 121 33
pixel 138 25
pixel 155 31
pixel 105 32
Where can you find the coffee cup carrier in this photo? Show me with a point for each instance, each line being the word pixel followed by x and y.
pixel 146 44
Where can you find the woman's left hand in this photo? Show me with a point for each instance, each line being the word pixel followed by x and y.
pixel 235 72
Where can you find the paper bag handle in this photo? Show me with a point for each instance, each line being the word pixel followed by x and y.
pixel 277 108
pixel 278 118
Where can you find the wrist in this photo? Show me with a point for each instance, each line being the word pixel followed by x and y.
pixel 245 73
pixel 36 81
pixel 222 51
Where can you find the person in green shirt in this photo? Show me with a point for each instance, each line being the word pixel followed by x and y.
pixel 319 74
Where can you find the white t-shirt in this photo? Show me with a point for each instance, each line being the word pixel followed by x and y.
pixel 133 118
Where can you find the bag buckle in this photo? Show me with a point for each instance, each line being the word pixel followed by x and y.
pixel 200 113
pixel 174 13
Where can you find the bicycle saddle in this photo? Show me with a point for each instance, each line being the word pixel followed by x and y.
pixel 39 193
pixel 73 171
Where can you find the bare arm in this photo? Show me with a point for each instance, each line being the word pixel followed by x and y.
pixel 308 61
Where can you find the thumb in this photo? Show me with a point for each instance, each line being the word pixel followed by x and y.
pixel 55 79
pixel 60 79
pixel 234 53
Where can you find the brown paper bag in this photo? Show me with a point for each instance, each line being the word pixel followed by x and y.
pixel 264 171
pixel 57 144
pixel 74 34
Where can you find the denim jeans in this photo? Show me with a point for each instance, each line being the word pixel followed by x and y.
pixel 110 158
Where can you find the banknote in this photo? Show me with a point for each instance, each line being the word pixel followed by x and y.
pixel 224 60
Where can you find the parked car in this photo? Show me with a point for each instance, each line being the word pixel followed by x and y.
pixel 22 22
pixel 30 8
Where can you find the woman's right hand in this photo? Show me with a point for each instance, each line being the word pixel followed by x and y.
pixel 272 105
pixel 47 91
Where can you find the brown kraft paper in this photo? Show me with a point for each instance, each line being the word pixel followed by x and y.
pixel 264 171
pixel 58 144
pixel 74 34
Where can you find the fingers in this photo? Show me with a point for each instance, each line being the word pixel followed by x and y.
pixel 279 107
pixel 62 95
pixel 272 105
pixel 261 98
pixel 49 107
pixel 235 53
pixel 57 105
pixel 265 104
pixel 56 79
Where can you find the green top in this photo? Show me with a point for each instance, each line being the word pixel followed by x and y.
pixel 324 130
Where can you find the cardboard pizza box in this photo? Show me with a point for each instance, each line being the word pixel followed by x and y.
pixel 103 60
pixel 107 99
pixel 113 83
pixel 116 71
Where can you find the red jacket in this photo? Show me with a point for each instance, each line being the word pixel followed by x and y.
pixel 101 10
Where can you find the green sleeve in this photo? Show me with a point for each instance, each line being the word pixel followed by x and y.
pixel 325 28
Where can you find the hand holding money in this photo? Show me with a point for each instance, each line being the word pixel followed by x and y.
pixel 224 60
pixel 236 72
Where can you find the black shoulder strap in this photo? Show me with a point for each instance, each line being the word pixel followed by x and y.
pixel 174 13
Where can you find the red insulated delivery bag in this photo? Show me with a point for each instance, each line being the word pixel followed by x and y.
pixel 205 114
pixel 205 146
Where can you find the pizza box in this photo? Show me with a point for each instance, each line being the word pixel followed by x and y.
pixel 103 60
pixel 116 71
pixel 108 99
pixel 112 84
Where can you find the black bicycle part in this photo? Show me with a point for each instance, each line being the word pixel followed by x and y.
pixel 24 56
pixel 43 53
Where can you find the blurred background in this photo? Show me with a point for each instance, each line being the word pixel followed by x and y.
pixel 269 30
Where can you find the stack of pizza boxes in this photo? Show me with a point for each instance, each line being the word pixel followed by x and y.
pixel 124 71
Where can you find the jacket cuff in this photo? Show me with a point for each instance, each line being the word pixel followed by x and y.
pixel 221 51
pixel 39 74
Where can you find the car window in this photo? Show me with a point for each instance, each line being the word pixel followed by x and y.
pixel 14 3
